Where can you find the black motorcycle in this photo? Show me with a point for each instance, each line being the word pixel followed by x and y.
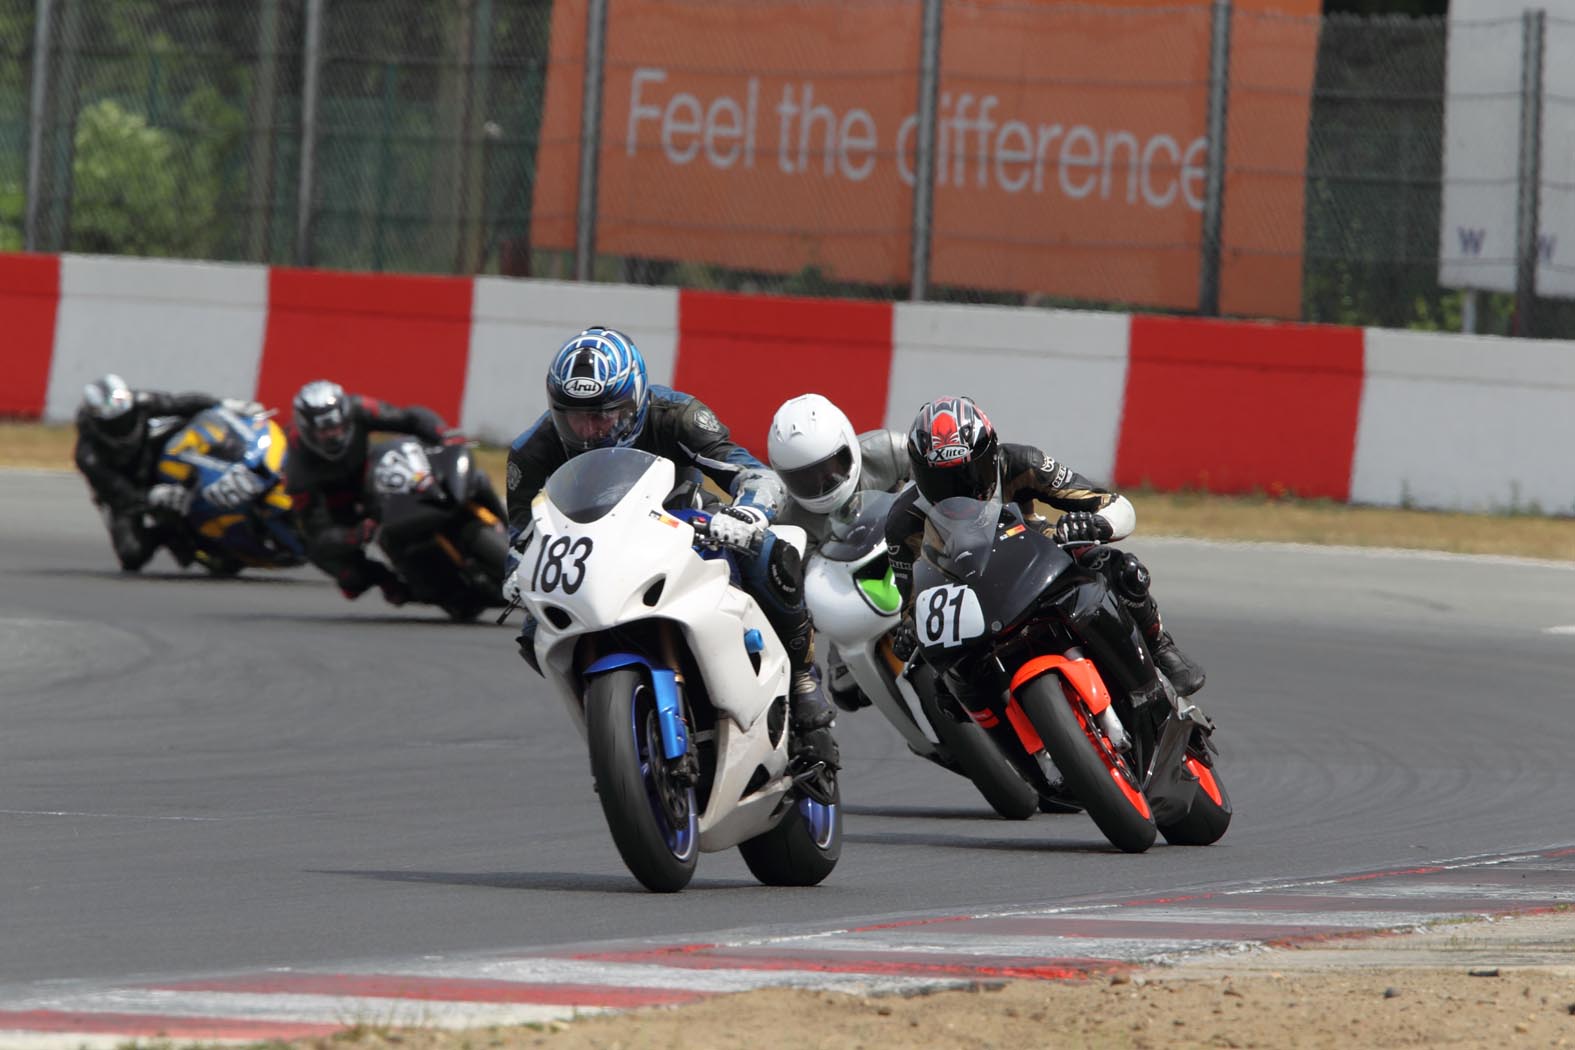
pixel 1044 647
pixel 441 524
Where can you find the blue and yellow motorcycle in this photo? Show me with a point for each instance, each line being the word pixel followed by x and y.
pixel 240 514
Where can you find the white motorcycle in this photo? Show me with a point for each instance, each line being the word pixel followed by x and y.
pixel 855 603
pixel 674 677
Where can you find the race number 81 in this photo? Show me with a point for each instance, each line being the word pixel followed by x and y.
pixel 948 615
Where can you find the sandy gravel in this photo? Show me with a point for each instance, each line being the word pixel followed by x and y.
pixel 1506 983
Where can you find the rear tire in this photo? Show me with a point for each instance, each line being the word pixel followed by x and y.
pixel 1207 820
pixel 1095 773
pixel 982 762
pixel 654 822
pixel 803 848
pixel 490 549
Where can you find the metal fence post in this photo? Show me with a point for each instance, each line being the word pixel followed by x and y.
pixel 590 138
pixel 311 61
pixel 1533 31
pixel 924 151
pixel 1214 185
pixel 38 111
pixel 263 106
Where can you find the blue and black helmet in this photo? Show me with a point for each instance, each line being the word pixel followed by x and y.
pixel 598 391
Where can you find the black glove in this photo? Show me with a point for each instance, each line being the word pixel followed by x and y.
pixel 904 640
pixel 361 533
pixel 1081 526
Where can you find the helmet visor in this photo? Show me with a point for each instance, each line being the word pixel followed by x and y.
pixel 602 427
pixel 975 479
pixel 820 478
pixel 330 436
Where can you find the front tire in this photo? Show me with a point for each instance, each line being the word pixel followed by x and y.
pixel 1096 773
pixel 982 762
pixel 803 848
pixel 653 820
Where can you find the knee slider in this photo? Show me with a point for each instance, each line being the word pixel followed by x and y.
pixel 1132 578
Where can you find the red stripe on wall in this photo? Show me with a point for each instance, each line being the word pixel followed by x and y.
pixel 29 298
pixel 1239 407
pixel 403 339
pixel 746 354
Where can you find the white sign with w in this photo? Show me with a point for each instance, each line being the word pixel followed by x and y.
pixel 1477 239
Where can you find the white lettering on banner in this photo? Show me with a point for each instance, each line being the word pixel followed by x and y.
pixel 976 146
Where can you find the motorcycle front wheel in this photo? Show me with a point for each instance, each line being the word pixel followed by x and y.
pixel 653 819
pixel 982 762
pixel 1096 773
pixel 1211 810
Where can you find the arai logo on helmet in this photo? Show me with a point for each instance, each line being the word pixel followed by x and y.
pixel 583 386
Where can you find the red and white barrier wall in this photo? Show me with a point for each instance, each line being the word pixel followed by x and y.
pixel 1370 416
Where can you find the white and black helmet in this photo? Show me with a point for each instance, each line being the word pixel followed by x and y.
pixel 324 418
pixel 111 409
pixel 815 451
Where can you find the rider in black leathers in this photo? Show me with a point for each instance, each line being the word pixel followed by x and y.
pixel 619 408
pixel 115 454
pixel 326 477
pixel 954 452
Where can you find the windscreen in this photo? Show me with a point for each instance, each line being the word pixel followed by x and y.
pixel 960 534
pixel 588 486
pixel 858 526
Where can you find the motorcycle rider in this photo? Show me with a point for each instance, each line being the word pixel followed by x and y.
pixel 116 455
pixel 325 474
pixel 954 451
pixel 599 396
pixel 823 463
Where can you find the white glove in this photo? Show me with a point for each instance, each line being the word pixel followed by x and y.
pixel 243 408
pixel 238 485
pixel 740 528
pixel 173 498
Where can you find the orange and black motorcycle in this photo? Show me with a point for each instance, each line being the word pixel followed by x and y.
pixel 1038 639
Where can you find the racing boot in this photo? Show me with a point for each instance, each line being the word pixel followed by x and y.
pixel 812 719
pixel 845 692
pixel 1184 673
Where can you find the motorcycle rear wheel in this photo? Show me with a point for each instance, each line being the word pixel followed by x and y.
pixel 653 820
pixel 982 762
pixel 1095 772
pixel 803 848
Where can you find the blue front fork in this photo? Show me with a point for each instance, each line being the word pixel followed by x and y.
pixel 675 736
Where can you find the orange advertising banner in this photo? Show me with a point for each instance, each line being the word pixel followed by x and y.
pixel 779 135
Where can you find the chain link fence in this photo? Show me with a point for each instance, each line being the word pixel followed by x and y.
pixel 1010 152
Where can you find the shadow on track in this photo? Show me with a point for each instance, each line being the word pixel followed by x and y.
pixel 194 576
pixel 419 617
pixel 921 812
pixel 549 881
pixel 1035 844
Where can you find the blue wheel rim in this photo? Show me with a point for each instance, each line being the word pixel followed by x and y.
pixel 821 820
pixel 680 839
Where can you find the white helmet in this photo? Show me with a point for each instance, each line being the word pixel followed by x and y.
pixel 813 448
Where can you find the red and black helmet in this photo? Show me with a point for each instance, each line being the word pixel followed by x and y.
pixel 953 449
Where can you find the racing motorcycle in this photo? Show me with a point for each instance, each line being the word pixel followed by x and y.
pixel 855 603
pixel 673 676
pixel 1003 606
pixel 240 514
pixel 440 524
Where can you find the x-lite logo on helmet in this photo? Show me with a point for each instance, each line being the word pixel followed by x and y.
pixel 951 427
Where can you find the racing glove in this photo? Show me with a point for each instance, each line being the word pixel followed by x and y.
pixel 904 639
pixel 362 532
pixel 1081 526
pixel 740 527
pixel 174 498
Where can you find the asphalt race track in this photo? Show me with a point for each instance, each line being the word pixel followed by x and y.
pixel 201 775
